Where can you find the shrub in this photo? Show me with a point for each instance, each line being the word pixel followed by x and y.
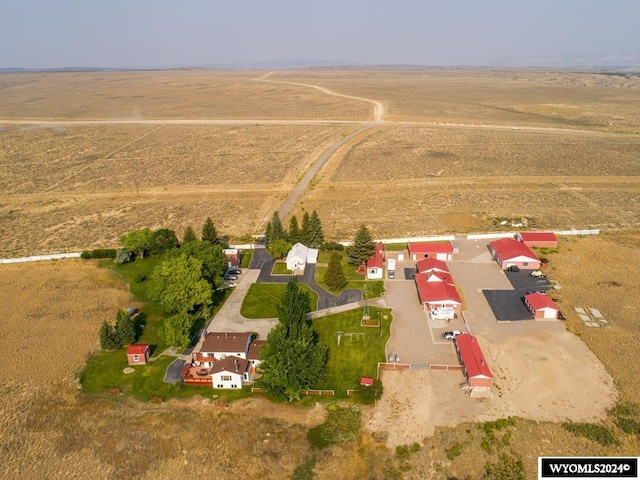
pixel 305 471
pixel 368 395
pixel 123 256
pixel 454 451
pixel 99 253
pixel 508 467
pixel 629 425
pixel 341 425
pixel 594 432
pixel 333 246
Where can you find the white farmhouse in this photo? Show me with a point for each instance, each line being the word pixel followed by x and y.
pixel 299 256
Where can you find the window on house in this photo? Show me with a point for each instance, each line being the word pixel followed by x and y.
pixel 226 378
pixel 525 264
pixel 136 358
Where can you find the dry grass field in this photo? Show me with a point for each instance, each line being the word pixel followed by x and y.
pixel 175 94
pixel 534 98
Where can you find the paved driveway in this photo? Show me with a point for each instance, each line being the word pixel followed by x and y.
pixel 264 261
pixel 412 337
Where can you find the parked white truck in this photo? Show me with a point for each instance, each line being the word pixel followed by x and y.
pixel 391 267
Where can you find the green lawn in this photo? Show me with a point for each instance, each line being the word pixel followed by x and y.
pixel 104 369
pixel 356 356
pixel 245 258
pixel 375 288
pixel 262 298
pixel 395 247
pixel 280 268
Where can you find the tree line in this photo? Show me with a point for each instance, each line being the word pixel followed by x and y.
pixel 279 240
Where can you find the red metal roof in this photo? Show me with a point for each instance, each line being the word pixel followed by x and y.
pixel 137 349
pixel 440 247
pixel 539 301
pixel 508 248
pixel 431 263
pixel 471 356
pixel 436 292
pixel 376 261
pixel 538 236
pixel 367 381
pixel 437 276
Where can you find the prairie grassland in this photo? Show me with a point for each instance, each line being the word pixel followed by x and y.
pixel 50 314
pixel 463 205
pixel 83 187
pixel 564 99
pixel 171 94
pixel 583 267
pixel 401 153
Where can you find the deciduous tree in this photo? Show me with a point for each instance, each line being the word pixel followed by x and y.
pixel 139 242
pixel 293 359
pixel 176 330
pixel 164 240
pixel 279 248
pixel 178 286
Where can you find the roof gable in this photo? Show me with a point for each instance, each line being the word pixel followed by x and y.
pixel 299 252
pixel 436 292
pixel 255 348
pixel 430 263
pixel 231 364
pixel 376 261
pixel 510 248
pixel 137 349
pixel 539 301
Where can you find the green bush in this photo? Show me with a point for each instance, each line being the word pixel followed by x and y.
pixel 305 471
pixel 629 425
pixel 508 467
pixel 341 425
pixel 593 432
pixel 333 246
pixel 367 395
pixel 99 253
pixel 454 451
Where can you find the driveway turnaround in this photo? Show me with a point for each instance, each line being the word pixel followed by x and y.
pixel 264 261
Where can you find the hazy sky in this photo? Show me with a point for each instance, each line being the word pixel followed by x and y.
pixel 144 33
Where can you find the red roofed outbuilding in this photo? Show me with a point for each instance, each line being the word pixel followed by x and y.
pixel 474 365
pixel 509 252
pixel 538 239
pixel 137 354
pixel 434 295
pixel 438 250
pixel 431 264
pixel 542 307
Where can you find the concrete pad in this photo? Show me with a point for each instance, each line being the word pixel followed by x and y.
pixel 585 318
pixel 580 310
pixel 595 312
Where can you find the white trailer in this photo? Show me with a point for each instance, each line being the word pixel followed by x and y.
pixel 443 313
pixel 391 267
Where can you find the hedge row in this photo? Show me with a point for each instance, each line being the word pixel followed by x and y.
pixel 99 253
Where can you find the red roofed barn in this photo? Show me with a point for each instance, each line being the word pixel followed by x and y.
pixel 542 307
pixel 375 264
pixel 538 239
pixel 508 252
pixel 474 365
pixel 440 251
pixel 138 354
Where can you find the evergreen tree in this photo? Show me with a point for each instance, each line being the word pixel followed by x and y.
pixel 268 235
pixel 295 235
pixel 209 232
pixel 125 328
pixel 108 337
pixel 334 276
pixel 305 228
pixel 189 235
pixel 292 359
pixel 362 247
pixel 277 230
pixel 316 234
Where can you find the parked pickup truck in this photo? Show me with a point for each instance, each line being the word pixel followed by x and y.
pixel 538 274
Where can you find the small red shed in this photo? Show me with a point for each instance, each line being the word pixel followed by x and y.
pixel 542 307
pixel 538 239
pixel 138 354
pixel 438 250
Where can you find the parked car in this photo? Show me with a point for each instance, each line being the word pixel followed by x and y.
pixel 452 334
pixel 228 276
pixel 234 271
pixel 537 274
pixel 397 358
